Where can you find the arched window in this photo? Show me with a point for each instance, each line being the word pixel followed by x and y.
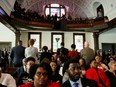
pixel 55 9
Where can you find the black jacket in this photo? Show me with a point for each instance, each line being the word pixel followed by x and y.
pixel 85 83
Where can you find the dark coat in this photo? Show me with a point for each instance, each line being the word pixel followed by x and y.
pixel 85 83
pixel 17 54
pixel 4 60
pixel 18 72
pixel 63 50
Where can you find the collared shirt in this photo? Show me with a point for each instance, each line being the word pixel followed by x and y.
pixel 78 81
pixel 61 68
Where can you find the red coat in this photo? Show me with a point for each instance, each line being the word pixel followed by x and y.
pixel 92 74
pixel 30 84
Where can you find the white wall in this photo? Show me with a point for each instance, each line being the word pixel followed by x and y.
pixel 6 35
pixel 107 37
pixel 46 38
pixel 24 38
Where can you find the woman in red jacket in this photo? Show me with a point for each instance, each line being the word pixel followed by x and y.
pixel 41 75
pixel 97 74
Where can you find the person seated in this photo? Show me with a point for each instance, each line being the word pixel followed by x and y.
pixel 20 70
pixel 111 73
pixel 6 79
pixel 83 66
pixel 97 74
pixel 100 64
pixel 113 83
pixel 56 77
pixel 24 77
pixel 73 70
pixel 41 75
pixel 60 62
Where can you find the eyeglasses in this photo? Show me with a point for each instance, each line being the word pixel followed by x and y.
pixel 45 74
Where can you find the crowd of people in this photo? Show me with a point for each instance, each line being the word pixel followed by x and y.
pixel 65 68
pixel 29 15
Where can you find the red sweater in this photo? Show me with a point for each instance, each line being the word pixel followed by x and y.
pixel 30 84
pixel 91 73
pixel 73 54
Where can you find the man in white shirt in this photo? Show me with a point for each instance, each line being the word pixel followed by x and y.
pixel 6 79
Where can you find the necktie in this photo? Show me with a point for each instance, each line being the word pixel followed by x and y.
pixel 75 84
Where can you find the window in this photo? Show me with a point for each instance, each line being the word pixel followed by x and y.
pixel 79 41
pixel 57 38
pixel 55 9
pixel 37 37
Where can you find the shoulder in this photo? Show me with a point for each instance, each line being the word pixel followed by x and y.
pixel 88 82
pixel 53 84
pixel 66 84
pixel 27 85
pixel 6 75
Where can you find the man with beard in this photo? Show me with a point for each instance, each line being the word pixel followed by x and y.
pixel 73 70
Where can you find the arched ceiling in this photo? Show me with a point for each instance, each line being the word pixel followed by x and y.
pixel 77 8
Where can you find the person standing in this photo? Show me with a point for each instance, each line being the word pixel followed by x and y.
pixel 17 54
pixel 32 51
pixel 5 60
pixel 73 53
pixel 87 53
pixel 45 54
pixel 63 51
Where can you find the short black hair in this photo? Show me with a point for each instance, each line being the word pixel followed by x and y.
pixel 46 66
pixel 61 58
pixel 67 63
pixel 73 46
pixel 62 43
pixel 45 48
pixel 29 59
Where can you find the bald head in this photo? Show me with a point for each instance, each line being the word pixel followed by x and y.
pixel 86 44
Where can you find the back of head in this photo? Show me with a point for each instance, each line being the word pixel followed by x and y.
pixel 31 42
pixel 62 44
pixel 29 59
pixel 20 42
pixel 73 46
pixel 86 44
pixel 45 48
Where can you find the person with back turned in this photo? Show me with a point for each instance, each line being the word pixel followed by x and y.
pixel 17 54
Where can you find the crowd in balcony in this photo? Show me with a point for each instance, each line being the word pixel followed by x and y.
pixel 30 15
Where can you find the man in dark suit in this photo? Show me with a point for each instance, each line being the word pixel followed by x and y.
pixel 4 56
pixel 17 54
pixel 73 70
